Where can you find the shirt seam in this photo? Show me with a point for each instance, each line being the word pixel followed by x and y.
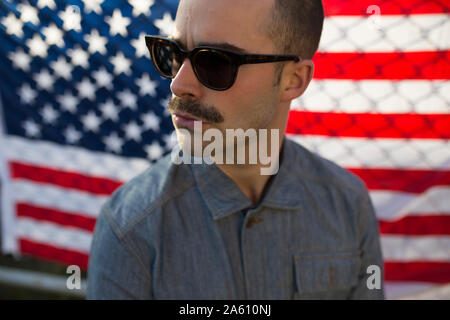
pixel 122 237
pixel 158 202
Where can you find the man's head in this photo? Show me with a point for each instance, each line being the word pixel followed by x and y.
pixel 295 27
pixel 261 94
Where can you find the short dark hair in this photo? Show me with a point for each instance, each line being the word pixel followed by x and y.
pixel 295 26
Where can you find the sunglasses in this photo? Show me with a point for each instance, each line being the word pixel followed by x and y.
pixel 215 68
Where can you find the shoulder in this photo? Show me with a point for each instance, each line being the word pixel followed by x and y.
pixel 137 198
pixel 319 170
pixel 342 193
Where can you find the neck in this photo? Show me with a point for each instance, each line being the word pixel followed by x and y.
pixel 248 177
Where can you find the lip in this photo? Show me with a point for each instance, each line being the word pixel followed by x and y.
pixel 185 120
pixel 186 116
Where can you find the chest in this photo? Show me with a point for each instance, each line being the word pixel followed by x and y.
pixel 264 254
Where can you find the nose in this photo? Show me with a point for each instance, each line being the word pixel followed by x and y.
pixel 185 84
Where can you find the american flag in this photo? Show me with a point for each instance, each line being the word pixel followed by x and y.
pixel 84 111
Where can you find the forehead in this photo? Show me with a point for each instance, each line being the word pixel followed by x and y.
pixel 237 22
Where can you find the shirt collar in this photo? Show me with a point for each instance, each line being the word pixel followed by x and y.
pixel 223 197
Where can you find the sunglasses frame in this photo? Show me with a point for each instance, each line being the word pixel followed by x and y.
pixel 236 59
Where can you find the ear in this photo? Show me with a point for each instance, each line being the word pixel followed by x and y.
pixel 296 78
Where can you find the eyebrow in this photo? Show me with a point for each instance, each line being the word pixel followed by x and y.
pixel 219 45
pixel 223 45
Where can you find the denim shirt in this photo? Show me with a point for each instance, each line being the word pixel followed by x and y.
pixel 188 232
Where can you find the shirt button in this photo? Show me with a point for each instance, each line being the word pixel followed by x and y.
pixel 252 221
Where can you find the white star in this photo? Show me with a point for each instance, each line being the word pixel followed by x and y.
pixel 154 151
pixel 164 103
pixel 32 129
pixel 140 46
pixel 93 5
pixel 128 99
pixel 27 94
pixel 20 59
pixel 37 46
pixel 72 135
pixel 166 25
pixel 113 143
pixel 28 14
pixel 14 26
pixel 151 121
pixel 117 23
pixel 141 7
pixel 71 18
pixel 146 85
pixel 170 140
pixel 86 89
pixel 103 78
pixel 96 42
pixel 79 57
pixel 121 64
pixel 44 80
pixel 46 3
pixel 133 131
pixel 166 112
pixel 91 121
pixel 53 35
pixel 68 102
pixel 62 68
pixel 109 110
pixel 49 115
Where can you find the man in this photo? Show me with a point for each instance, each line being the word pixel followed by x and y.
pixel 224 230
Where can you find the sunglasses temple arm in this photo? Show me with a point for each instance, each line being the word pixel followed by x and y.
pixel 265 59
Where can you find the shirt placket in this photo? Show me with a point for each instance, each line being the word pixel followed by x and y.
pixel 249 252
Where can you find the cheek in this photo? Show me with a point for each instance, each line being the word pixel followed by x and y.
pixel 248 111
pixel 250 102
pixel 258 99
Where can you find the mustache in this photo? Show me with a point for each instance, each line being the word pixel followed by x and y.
pixel 195 108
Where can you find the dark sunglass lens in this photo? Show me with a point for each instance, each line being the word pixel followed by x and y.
pixel 166 58
pixel 214 69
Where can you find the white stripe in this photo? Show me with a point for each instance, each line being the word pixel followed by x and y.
pixel 428 154
pixel 40 280
pixel 394 205
pixel 415 248
pixel 437 293
pixel 76 159
pixel 49 196
pixel 421 32
pixel 377 96
pixel 399 290
pixel 48 233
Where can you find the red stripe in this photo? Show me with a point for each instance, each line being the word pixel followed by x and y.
pixel 414 181
pixel 403 7
pixel 78 220
pixel 417 225
pixel 368 125
pixel 51 253
pixel 434 272
pixel 382 65
pixel 66 179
